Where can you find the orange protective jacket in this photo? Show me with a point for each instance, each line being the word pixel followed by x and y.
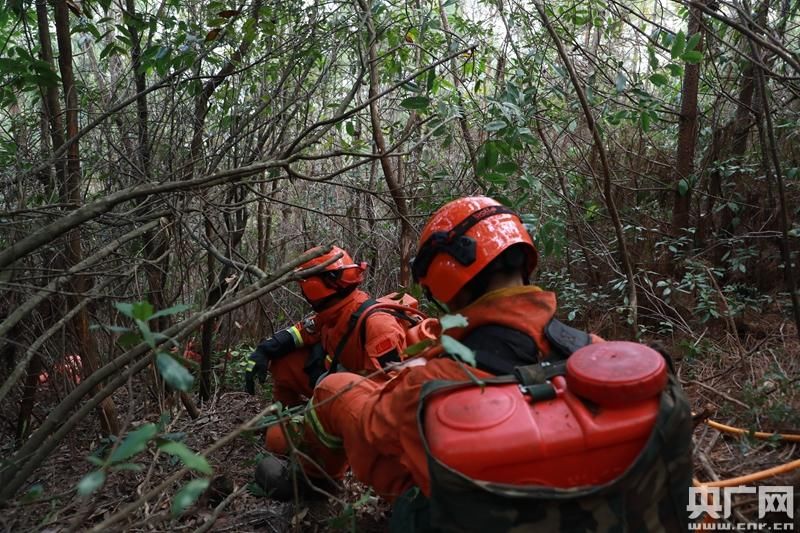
pixel 373 426
pixel 383 333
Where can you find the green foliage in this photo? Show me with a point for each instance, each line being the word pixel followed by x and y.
pixel 236 366
pixel 134 443
pixel 771 400
pixel 35 492
pixel 574 299
pixel 173 372
pixel 187 456
pixel 416 102
pixel 454 347
pixel 346 519
pixel 186 497
pixel 91 482
pixel 171 367
pixel 418 348
pixel 453 321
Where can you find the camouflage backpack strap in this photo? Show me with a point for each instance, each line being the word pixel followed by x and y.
pixel 564 340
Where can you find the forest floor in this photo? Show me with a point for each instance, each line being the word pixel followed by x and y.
pixel 751 383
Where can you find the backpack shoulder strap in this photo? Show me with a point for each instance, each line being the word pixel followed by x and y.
pixel 351 325
pixel 405 316
pixel 565 340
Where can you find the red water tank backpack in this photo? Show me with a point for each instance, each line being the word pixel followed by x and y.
pixel 599 442
pixel 582 427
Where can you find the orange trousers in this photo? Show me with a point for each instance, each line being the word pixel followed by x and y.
pixel 372 427
pixel 329 460
pixel 290 384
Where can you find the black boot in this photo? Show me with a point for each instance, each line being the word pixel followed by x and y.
pixel 274 476
pixel 277 477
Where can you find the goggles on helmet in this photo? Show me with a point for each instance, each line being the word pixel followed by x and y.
pixel 454 242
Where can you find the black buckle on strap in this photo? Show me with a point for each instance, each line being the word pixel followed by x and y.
pixel 540 392
pixel 534 380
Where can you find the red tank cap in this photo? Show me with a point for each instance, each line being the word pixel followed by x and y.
pixel 466 411
pixel 617 373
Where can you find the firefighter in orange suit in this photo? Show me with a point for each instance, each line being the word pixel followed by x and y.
pixel 475 256
pixel 298 356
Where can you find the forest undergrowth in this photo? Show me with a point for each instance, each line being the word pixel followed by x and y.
pixel 746 378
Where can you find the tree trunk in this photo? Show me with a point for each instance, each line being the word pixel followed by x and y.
pixel 687 135
pixel 28 400
pixel 71 195
pixel 462 120
pixel 389 174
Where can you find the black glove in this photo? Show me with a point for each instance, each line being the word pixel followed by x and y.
pixel 315 364
pixel 256 366
pixel 274 347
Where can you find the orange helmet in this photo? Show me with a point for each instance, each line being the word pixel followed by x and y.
pixel 337 278
pixel 461 238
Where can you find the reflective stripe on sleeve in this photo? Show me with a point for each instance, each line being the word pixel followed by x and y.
pixel 298 339
pixel 328 440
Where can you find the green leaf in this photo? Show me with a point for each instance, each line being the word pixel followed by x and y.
pixel 187 456
pixel 133 467
pixel 173 372
pixel 130 339
pixel 675 70
pixel 652 58
pixel 125 308
pixel 147 334
pixel 174 310
pixel 683 187
pixel 678 45
pixel 490 155
pixel 91 482
pixel 496 178
pixel 693 40
pixel 415 102
pixel 431 79
pixel 692 57
pixel 188 495
pixel 256 491
pixel 526 136
pixel 453 347
pixel 644 120
pixel 453 321
pixel 143 311
pixel 351 130
pixel 134 443
pixel 418 348
pixel 96 460
pixel 621 81
pixel 659 79
pixel 495 125
pixel 33 494
pixel 509 167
